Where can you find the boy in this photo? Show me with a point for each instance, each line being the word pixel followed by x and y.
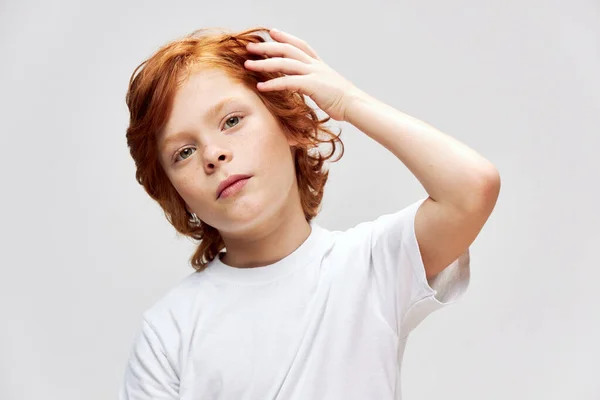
pixel 279 307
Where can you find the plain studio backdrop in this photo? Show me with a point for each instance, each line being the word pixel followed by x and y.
pixel 85 251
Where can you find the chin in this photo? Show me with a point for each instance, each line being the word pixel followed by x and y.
pixel 258 206
pixel 243 215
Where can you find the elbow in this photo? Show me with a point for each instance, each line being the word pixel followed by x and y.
pixel 487 191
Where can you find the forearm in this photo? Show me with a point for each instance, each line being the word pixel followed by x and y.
pixel 449 171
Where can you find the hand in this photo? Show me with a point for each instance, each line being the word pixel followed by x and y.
pixel 305 73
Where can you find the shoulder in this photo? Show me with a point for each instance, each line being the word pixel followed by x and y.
pixel 179 300
pixel 398 224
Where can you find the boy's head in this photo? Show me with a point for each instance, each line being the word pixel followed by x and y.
pixel 196 118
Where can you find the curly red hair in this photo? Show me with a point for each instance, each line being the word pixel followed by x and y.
pixel 149 98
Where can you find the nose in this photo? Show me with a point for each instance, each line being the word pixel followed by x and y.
pixel 214 157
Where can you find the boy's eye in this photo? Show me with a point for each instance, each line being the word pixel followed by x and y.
pixel 185 153
pixel 188 151
pixel 232 121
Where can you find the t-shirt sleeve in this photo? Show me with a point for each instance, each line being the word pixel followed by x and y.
pixel 149 373
pixel 406 295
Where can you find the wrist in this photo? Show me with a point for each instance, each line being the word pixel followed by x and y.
pixel 354 99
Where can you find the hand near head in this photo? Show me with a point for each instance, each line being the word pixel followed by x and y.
pixel 305 72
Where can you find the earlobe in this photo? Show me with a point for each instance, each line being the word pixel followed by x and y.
pixel 292 142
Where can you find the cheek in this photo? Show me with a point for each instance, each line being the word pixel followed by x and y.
pixel 191 191
pixel 276 161
pixel 271 147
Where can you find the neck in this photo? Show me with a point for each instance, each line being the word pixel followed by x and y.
pixel 270 242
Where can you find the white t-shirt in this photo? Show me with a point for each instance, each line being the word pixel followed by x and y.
pixel 329 321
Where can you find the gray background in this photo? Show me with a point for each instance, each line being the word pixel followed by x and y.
pixel 85 251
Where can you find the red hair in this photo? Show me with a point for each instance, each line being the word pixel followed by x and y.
pixel 149 98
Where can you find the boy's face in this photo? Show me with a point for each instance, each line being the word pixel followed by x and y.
pixel 200 148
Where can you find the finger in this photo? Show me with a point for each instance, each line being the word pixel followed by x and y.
pixel 277 49
pixel 284 65
pixel 293 82
pixel 285 37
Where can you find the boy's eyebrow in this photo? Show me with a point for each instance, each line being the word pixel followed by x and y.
pixel 212 113
pixel 216 109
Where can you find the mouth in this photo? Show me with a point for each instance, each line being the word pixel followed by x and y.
pixel 231 185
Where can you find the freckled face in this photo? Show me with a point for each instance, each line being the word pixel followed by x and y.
pixel 218 127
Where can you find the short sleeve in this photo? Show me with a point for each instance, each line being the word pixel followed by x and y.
pixel 406 295
pixel 149 373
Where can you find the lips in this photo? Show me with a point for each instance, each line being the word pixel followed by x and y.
pixel 230 181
